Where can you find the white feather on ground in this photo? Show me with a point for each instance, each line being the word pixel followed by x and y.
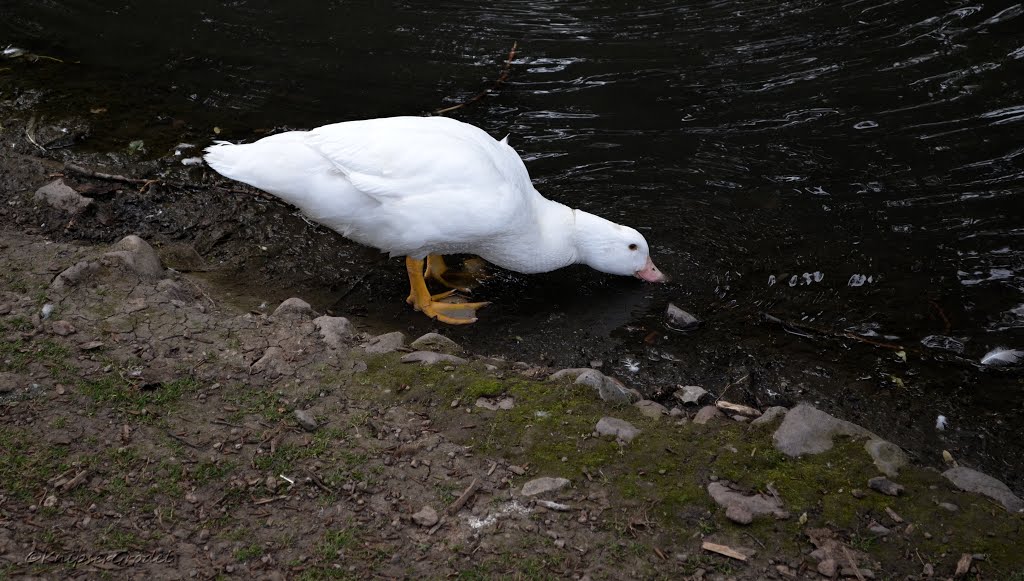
pixel 1002 356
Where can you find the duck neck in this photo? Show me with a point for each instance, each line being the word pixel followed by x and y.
pixel 554 228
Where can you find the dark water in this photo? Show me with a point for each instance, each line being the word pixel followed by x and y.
pixel 850 166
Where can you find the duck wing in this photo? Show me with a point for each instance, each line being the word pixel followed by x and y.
pixel 398 158
pixel 442 186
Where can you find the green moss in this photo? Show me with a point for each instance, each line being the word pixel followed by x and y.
pixel 664 472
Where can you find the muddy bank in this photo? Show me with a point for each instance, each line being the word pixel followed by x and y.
pixel 150 427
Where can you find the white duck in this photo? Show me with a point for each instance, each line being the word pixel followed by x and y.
pixel 427 186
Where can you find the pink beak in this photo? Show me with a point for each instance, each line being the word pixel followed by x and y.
pixel 650 273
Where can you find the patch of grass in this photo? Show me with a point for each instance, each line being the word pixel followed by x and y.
pixel 26 466
pixel 115 389
pixel 334 542
pixel 206 471
pixel 18 355
pixel 249 553
pixel 252 401
pixel 116 539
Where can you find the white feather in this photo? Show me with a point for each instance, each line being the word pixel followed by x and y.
pixel 941 422
pixel 1002 356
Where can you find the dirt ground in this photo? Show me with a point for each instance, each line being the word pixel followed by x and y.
pixel 151 430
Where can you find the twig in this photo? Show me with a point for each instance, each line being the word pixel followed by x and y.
pixel 28 133
pixel 79 170
pixel 724 550
pixel 841 334
pixel 319 483
pixel 497 85
pixel 756 540
pixel 853 564
pixel 74 482
pixel 947 326
pixel 464 498
pixel 269 500
pixel 182 440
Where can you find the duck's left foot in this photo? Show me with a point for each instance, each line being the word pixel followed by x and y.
pixel 452 313
pixel 462 280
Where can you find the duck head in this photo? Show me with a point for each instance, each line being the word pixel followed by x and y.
pixel 613 248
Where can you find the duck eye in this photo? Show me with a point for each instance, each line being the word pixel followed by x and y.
pixel 632 246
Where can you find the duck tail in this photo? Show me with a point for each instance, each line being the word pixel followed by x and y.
pixel 224 157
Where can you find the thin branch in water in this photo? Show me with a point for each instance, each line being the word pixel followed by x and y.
pixel 505 71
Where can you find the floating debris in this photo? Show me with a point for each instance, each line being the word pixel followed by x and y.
pixel 943 343
pixel 679 320
pixel 1002 356
pixel 13 52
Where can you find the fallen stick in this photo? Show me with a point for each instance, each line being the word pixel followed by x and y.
pixel 74 482
pixel 79 170
pixel 464 498
pixel 497 85
pixel 723 550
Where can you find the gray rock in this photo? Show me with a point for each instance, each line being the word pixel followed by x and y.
pixel 608 388
pixel 385 343
pixel 75 274
pixel 679 320
pixel 888 457
pixel 426 517
pixel 827 568
pixel 430 358
pixel 705 414
pixel 306 420
pixel 333 330
pixel 690 394
pixel 544 485
pixel 571 373
pixel 495 404
pixel 651 409
pixel 742 508
pixel 62 328
pixel 885 486
pixel 8 382
pixel 769 416
pixel 808 430
pixel 858 573
pixel 294 308
pixel 949 506
pixel 621 429
pixel 273 363
pixel 974 481
pixel 879 530
pixel 62 196
pixel 136 255
pixel 438 343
